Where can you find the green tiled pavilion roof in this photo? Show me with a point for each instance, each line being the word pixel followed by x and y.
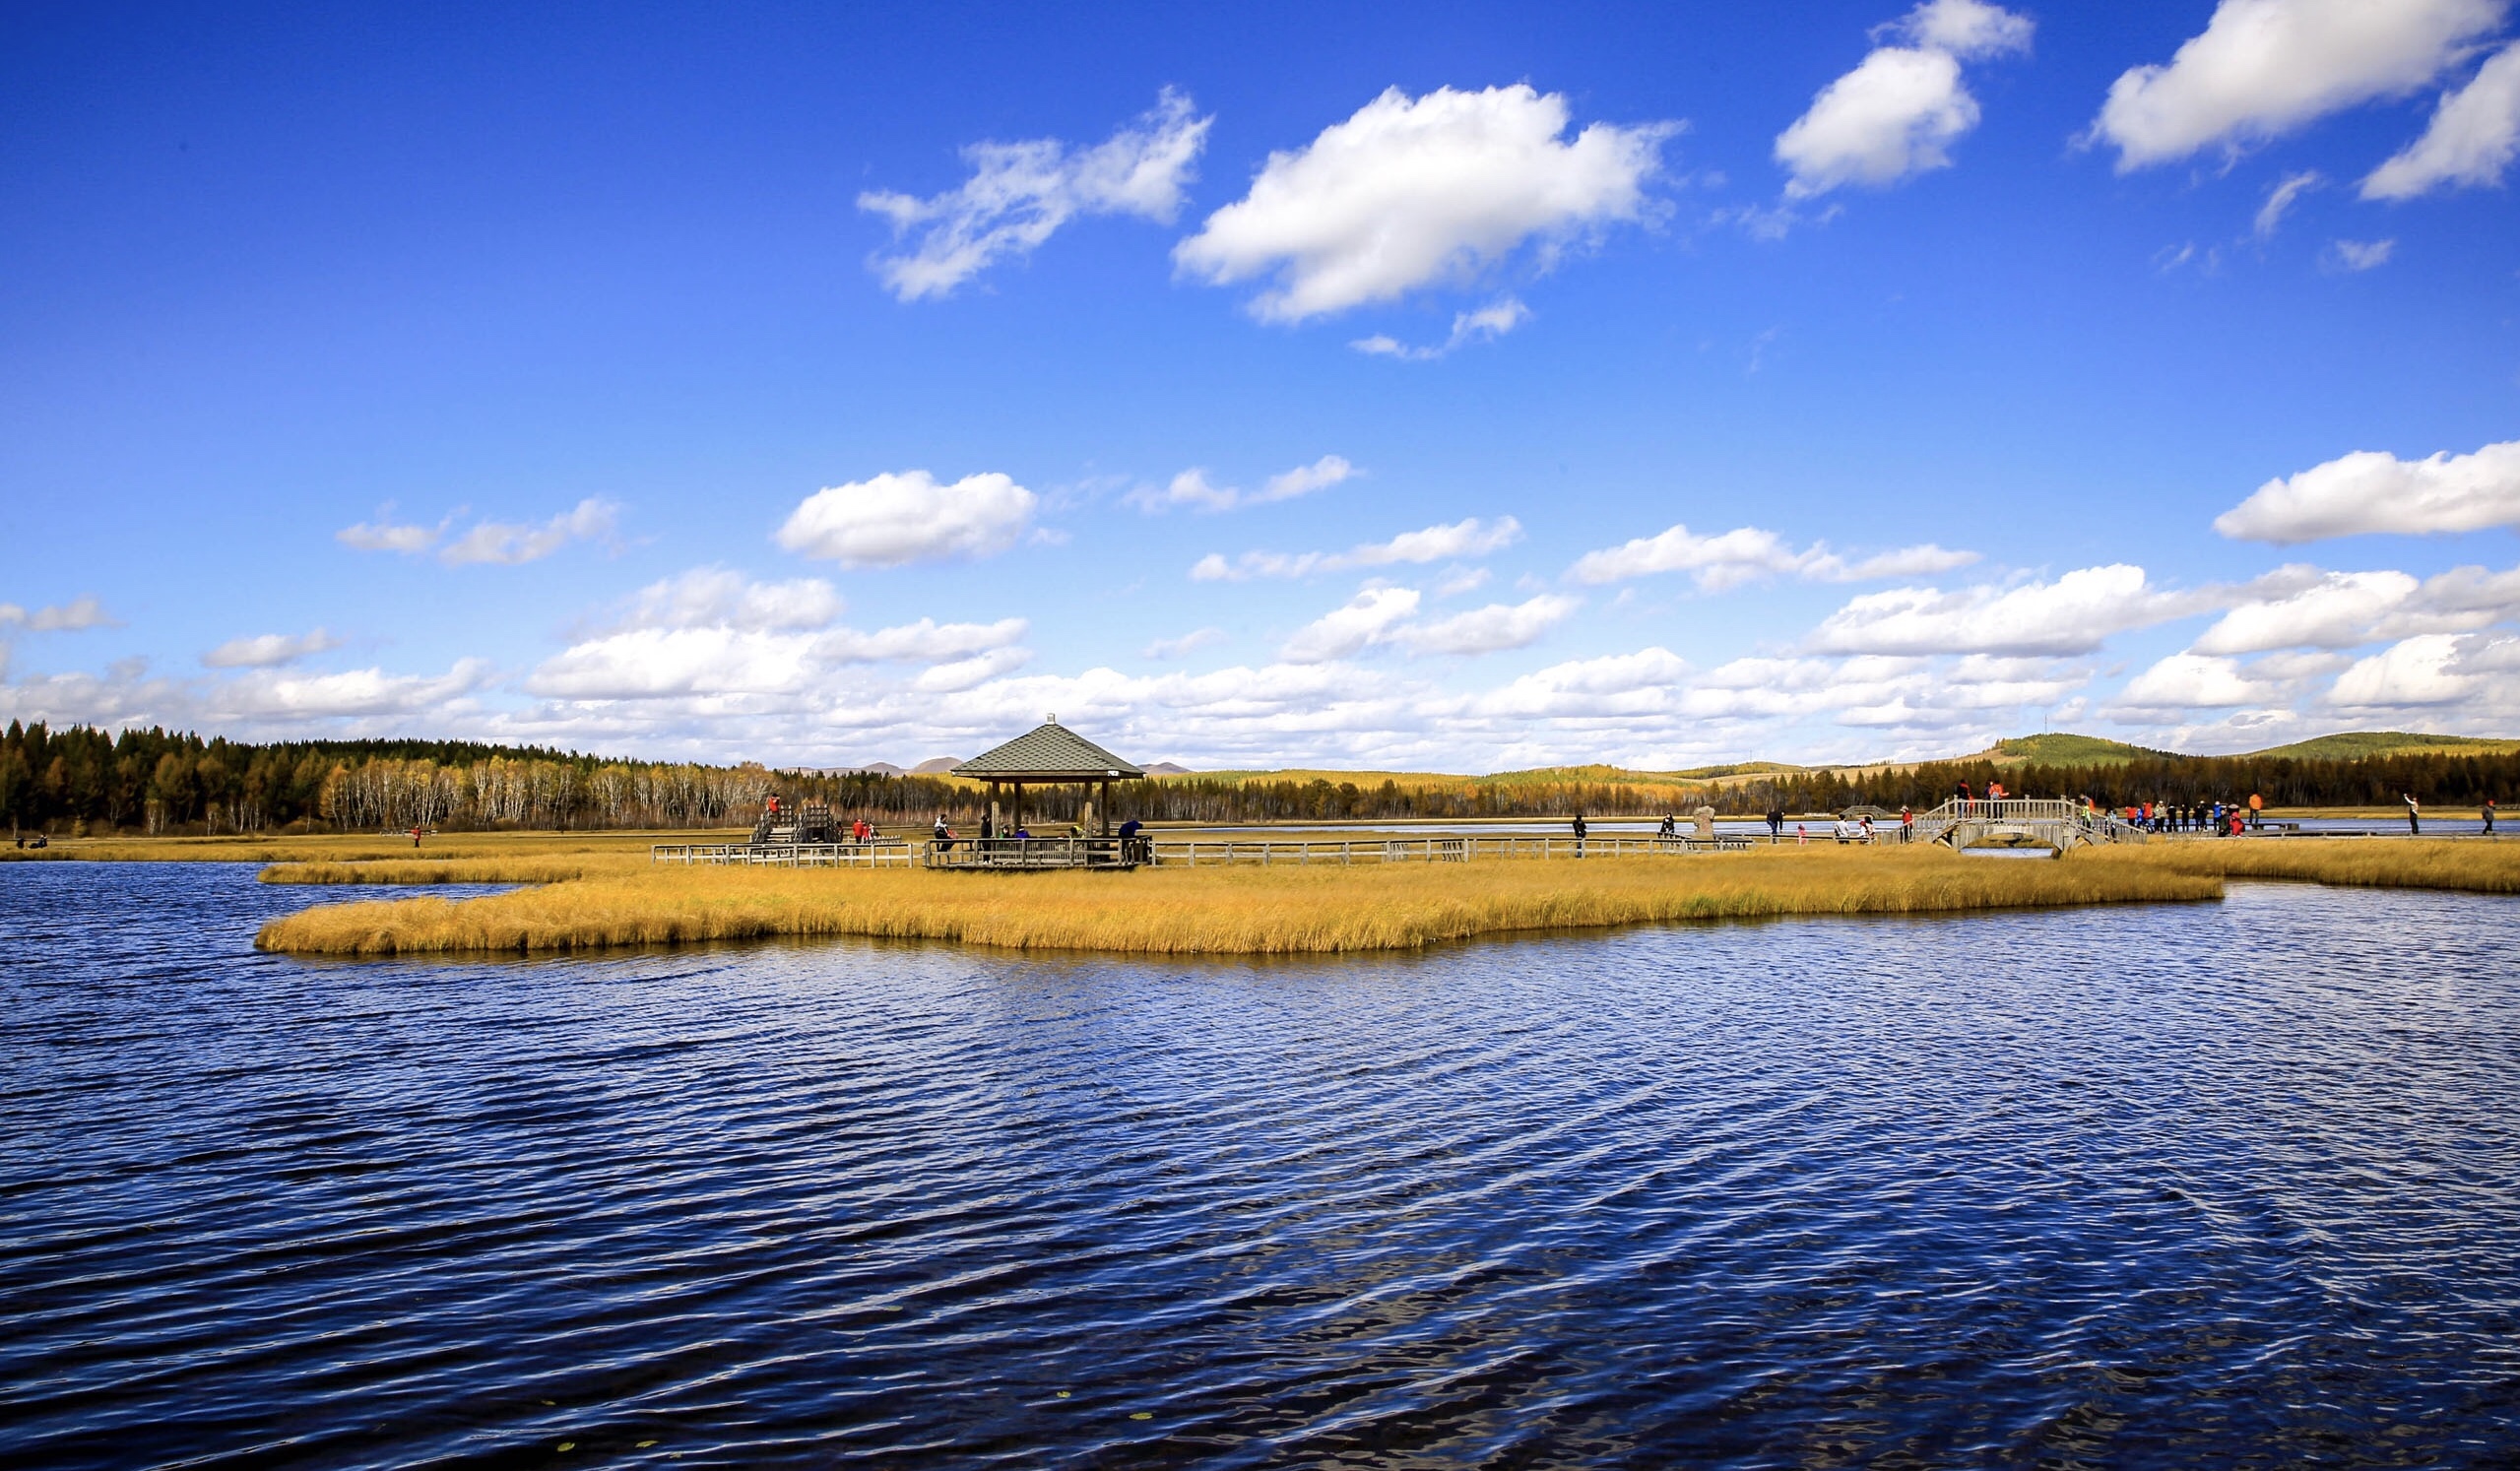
pixel 1051 753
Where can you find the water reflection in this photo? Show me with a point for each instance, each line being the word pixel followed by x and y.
pixel 2160 1185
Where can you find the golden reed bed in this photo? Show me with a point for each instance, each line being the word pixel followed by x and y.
pixel 1292 910
pixel 1210 911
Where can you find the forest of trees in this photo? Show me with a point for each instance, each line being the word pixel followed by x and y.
pixel 82 779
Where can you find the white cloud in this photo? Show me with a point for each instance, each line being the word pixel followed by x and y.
pixel 507 544
pixel 1497 627
pixel 2279 199
pixel 1174 648
pixel 2335 611
pixel 971 672
pixel 269 650
pixel 2473 135
pixel 2073 614
pixel 1462 580
pixel 1898 114
pixel 1638 684
pixel 1434 543
pixel 1192 487
pixel 1409 192
pixel 908 517
pixel 1372 617
pixel 1486 324
pixel 722 659
pixel 719 596
pixel 1748 552
pixel 2359 255
pixel 2195 680
pixel 384 535
pixel 2420 671
pixel 75 616
pixel 925 640
pixel 2370 492
pixel 2263 68
pixel 1304 480
pixel 1020 193
pixel 263 695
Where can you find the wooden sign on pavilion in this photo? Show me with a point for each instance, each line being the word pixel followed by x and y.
pixel 1051 755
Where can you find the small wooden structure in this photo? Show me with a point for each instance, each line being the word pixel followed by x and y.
pixel 1049 755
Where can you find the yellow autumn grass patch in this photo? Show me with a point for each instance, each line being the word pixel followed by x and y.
pixel 2483 868
pixel 1214 911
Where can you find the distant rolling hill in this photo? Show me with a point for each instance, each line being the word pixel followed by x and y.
pixel 2065 749
pixel 2350 745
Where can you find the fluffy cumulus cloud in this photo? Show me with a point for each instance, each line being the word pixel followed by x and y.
pixel 1019 194
pixel 2370 492
pixel 1898 113
pixel 2474 134
pixel 2309 609
pixel 2263 68
pixel 1493 628
pixel 2074 615
pixel 2424 670
pixel 2190 682
pixel 77 615
pixel 1413 191
pixel 711 633
pixel 1748 553
pixel 1461 539
pixel 498 543
pixel 1380 615
pixel 720 595
pixel 269 650
pixel 1193 488
pixel 908 517
pixel 1370 617
pixel 1636 685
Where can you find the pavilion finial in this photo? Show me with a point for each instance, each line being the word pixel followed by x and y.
pixel 1051 718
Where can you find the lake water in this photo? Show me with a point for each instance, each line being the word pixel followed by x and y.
pixel 2227 1185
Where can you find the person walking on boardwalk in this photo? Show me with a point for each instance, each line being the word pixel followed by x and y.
pixel 943 835
pixel 1775 825
pixel 2257 813
pixel 1579 835
pixel 2414 816
pixel 2489 817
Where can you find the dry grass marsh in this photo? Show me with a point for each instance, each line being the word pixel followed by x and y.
pixel 1214 911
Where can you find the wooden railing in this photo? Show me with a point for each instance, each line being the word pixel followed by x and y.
pixel 881 852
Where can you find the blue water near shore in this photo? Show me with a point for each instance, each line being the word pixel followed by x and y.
pixel 2173 1186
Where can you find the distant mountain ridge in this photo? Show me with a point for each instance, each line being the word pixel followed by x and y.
pixel 2048 748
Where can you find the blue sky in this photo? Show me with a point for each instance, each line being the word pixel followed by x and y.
pixel 1458 388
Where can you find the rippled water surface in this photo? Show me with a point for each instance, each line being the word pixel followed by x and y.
pixel 2227 1185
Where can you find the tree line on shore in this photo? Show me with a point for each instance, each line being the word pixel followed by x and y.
pixel 82 779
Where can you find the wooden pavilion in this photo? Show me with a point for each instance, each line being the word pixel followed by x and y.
pixel 1049 755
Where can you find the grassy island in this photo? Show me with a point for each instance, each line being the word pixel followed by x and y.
pixel 606 903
